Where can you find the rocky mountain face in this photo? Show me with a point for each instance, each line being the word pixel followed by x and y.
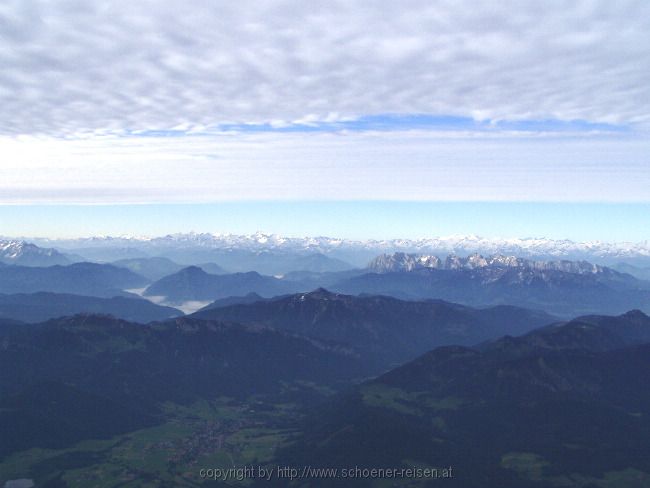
pixel 388 263
pixel 567 288
pixel 25 254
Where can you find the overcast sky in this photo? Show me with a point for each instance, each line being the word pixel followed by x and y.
pixel 205 101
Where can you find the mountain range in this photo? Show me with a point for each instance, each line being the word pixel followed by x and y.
pixel 382 329
pixel 251 297
pixel 359 252
pixel 194 284
pixel 91 376
pixel 564 288
pixel 387 263
pixel 560 287
pixel 158 267
pixel 643 273
pixel 26 254
pixel 565 406
pixel 502 396
pixel 482 368
pixel 88 279
pixel 41 306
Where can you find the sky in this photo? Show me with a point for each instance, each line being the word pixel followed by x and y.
pixel 344 219
pixel 415 118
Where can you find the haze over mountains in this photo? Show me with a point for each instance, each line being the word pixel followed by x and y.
pixel 379 343
pixel 41 306
pixel 562 287
pixel 102 280
pixel 356 252
pixel 79 367
pixel 480 363
pixel 192 283
pixel 410 359
pixel 158 267
pixel 557 407
pixel 521 412
pixel 26 254
pixel 384 328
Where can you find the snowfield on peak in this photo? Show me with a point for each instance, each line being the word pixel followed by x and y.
pixel 26 254
pixel 408 262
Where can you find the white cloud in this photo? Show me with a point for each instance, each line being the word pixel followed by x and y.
pixel 77 66
pixel 402 165
pixel 74 73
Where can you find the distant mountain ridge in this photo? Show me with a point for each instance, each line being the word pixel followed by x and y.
pixel 566 288
pixel 399 261
pixel 251 297
pixel 386 329
pixel 157 267
pixel 358 252
pixel 643 273
pixel 90 279
pixel 23 253
pixel 194 284
pixel 41 306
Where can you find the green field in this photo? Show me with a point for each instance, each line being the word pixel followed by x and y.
pixel 208 434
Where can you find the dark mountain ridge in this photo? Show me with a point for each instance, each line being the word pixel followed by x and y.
pixel 192 283
pixel 594 333
pixel 560 287
pixel 555 407
pixel 100 360
pixel 90 279
pixel 387 328
pixel 41 306
pixel 251 297
pixel 156 268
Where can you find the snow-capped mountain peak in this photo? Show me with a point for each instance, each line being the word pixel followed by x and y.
pixel 360 251
pixel 24 253
pixel 403 262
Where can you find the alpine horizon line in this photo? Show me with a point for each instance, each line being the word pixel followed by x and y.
pixel 445 243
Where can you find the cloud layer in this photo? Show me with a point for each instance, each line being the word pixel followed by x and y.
pixel 71 67
pixel 398 165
